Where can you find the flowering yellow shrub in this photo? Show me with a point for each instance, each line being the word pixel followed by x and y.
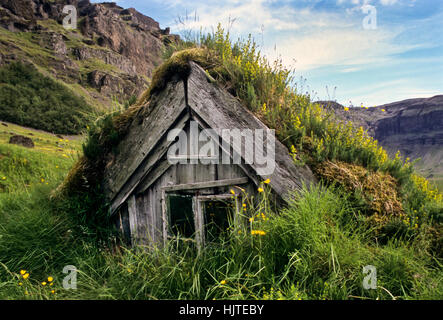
pixel 423 185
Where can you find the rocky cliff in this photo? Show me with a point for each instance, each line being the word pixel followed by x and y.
pixel 414 126
pixel 111 54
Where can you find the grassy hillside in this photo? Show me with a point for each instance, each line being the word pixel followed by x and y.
pixel 31 99
pixel 369 209
pixel 22 168
pixel 34 48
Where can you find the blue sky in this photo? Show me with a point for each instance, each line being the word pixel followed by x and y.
pixel 334 56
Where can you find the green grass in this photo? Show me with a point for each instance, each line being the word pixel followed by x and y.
pixel 28 44
pixel 21 168
pixel 312 250
pixel 25 93
pixel 86 66
pixel 439 184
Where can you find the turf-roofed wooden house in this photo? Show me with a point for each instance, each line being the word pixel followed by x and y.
pixel 171 176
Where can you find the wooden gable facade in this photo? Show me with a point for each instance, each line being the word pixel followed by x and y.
pixel 153 198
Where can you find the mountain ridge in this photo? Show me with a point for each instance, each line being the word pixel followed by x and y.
pixel 110 56
pixel 412 126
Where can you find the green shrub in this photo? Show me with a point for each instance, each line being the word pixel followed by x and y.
pixel 31 99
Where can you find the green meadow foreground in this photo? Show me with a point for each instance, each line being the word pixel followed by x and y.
pixel 312 250
pixel 368 209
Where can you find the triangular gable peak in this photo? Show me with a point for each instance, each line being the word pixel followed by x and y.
pixel 146 144
pixel 187 152
pixel 220 110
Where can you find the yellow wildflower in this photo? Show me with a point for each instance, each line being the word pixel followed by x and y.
pixel 20 284
pixel 223 282
pixel 260 189
pixel 267 181
pixel 25 276
pixel 346 109
pixel 22 272
pixel 258 232
pixel 50 279
pixel 43 283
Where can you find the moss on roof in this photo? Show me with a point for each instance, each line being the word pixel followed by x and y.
pixel 178 66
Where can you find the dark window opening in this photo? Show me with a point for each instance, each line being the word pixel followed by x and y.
pixel 181 215
pixel 218 219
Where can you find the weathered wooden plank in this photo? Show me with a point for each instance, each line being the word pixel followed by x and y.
pixel 146 168
pixel 132 211
pixel 204 172
pixel 159 201
pixel 199 222
pixel 185 173
pixel 142 222
pixel 144 134
pixel 227 151
pixel 152 215
pixel 164 217
pixel 217 197
pixel 160 169
pixel 148 216
pixel 206 184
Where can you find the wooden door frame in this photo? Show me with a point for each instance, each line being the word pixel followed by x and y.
pixel 197 203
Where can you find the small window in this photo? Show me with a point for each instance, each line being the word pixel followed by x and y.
pixel 204 219
pixel 181 215
pixel 217 218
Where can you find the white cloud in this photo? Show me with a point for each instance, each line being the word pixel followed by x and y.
pixel 346 46
pixel 311 38
pixel 388 2
pixel 363 2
